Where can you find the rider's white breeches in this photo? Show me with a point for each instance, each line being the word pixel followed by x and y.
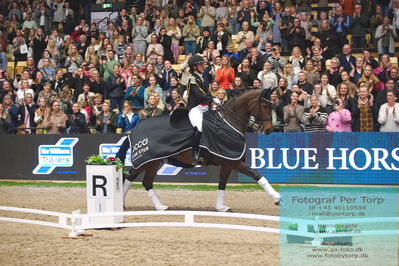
pixel 196 115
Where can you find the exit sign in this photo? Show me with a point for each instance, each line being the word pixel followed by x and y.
pixel 107 5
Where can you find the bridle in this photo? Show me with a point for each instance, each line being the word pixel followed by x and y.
pixel 259 119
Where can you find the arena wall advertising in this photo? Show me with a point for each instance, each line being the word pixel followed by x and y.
pixel 315 158
pixel 326 158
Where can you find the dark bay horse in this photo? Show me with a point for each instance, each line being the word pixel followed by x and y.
pixel 237 112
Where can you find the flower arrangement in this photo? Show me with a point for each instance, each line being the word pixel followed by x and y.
pixel 103 160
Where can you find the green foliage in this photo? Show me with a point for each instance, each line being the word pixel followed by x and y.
pixel 103 160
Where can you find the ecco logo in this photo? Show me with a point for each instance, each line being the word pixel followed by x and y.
pixel 140 144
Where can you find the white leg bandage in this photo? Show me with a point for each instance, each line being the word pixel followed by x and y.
pixel 154 198
pixel 220 202
pixel 269 189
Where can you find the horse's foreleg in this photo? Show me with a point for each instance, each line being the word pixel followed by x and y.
pixel 262 181
pixel 224 175
pixel 148 183
pixel 133 174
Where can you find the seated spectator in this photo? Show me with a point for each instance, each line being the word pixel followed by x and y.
pixel 243 53
pixel 175 101
pixel 97 107
pixel 66 100
pixel 42 112
pixel 277 111
pixel 388 115
pixel 127 120
pixel 369 59
pixel 255 60
pixel 315 117
pixel 48 94
pixel 385 35
pixel 20 49
pixel 97 85
pixel 304 84
pixel 221 95
pixel 77 121
pixel 339 120
pixel 158 100
pixel 293 113
pixel 5 120
pixel 106 121
pixel 107 65
pixel 55 122
pixel 213 89
pixel 359 25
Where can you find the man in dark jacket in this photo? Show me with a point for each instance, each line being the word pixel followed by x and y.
pixel 359 27
pixel 285 23
pixel 341 24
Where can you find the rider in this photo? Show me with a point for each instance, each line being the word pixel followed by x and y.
pixel 198 101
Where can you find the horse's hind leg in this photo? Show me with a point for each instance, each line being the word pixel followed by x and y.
pixel 148 183
pixel 224 175
pixel 262 181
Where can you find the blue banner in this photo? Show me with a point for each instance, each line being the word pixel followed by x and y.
pixel 325 158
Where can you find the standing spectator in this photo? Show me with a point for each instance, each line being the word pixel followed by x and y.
pixel 175 33
pixel 48 71
pixel 244 14
pixel 135 93
pixel 139 35
pixel 43 18
pixel 233 14
pixel 277 61
pixel 115 88
pixel 267 77
pixel 286 23
pixel 385 35
pixel 328 91
pixel 293 114
pixel 42 112
pixel 362 114
pixel 221 12
pixel 20 48
pixel 5 120
pixel 246 74
pixel 372 80
pixel 47 94
pixel 59 16
pixel 77 121
pixel 315 117
pixel 341 24
pixel 107 66
pixel 359 27
pixel 225 76
pixel 127 119
pixel 190 33
pixel 388 115
pixel 154 50
pixel 107 120
pixel 312 76
pixel 55 122
pixel 26 115
pixel 346 60
pixel 339 120
pixel 277 15
pixel 73 60
pixel 207 14
pixel 166 42
pixel 151 110
pixel 152 87
pixel 220 39
pixel 167 73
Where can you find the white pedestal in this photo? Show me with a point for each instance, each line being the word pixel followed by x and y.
pixel 104 186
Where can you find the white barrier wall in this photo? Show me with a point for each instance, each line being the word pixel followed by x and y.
pixel 104 188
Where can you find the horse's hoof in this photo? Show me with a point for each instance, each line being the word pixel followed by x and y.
pixel 162 208
pixel 224 209
pixel 278 201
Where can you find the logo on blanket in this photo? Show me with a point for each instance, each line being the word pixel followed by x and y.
pixel 139 148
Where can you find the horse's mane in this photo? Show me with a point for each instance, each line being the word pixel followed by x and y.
pixel 232 100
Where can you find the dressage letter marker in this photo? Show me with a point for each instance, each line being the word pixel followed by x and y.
pixel 104 193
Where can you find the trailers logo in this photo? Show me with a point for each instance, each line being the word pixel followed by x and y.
pixel 52 156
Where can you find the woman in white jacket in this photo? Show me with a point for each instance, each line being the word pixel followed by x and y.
pixel 328 90
pixel 388 115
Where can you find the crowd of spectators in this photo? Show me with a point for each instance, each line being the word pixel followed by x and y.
pixel 81 78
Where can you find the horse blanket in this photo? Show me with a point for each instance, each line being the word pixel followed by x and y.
pixel 164 136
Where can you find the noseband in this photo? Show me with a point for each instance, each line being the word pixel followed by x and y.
pixel 262 119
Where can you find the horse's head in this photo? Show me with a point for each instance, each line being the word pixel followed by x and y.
pixel 262 112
